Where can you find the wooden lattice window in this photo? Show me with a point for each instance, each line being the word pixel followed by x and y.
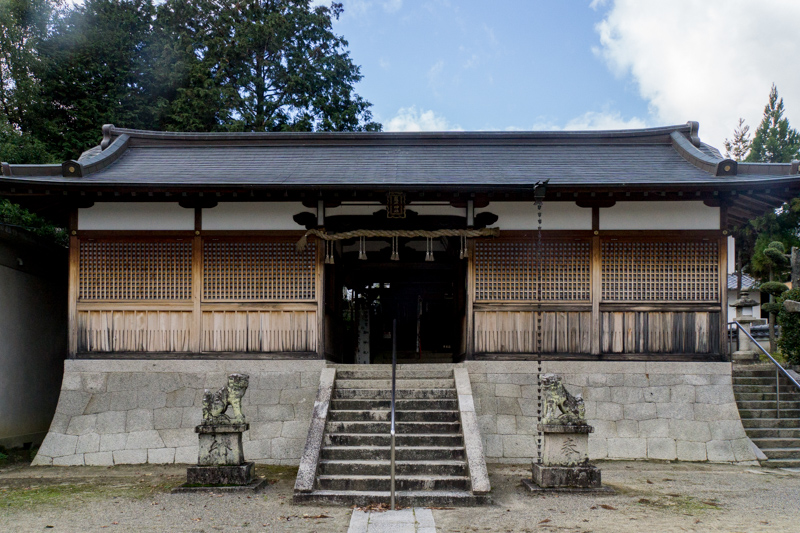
pixel 258 270
pixel 135 270
pixel 660 271
pixel 507 271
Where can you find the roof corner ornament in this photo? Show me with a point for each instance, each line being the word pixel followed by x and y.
pixel 71 169
pixel 106 142
pixel 6 169
pixel 727 167
pixel 694 129
pixel 795 166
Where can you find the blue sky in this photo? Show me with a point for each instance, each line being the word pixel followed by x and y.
pixel 573 64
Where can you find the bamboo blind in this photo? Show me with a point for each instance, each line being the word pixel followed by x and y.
pixel 506 271
pixel 660 271
pixel 258 270
pixel 135 270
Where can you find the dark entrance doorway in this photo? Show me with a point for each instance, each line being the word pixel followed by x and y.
pixel 427 298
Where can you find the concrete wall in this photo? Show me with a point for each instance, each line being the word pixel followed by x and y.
pixel 139 411
pixel 33 335
pixel 639 410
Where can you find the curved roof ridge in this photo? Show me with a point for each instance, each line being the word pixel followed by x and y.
pixel 110 132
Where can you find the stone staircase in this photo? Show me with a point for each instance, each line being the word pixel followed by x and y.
pixel 432 466
pixel 779 439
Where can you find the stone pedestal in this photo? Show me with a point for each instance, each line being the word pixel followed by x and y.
pixel 221 444
pixel 565 460
pixel 220 461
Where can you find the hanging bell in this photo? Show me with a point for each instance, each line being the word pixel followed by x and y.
pixel 362 245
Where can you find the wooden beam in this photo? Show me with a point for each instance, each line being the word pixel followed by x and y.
pixel 596 291
pixel 723 295
pixel 196 333
pixel 72 284
pixel 470 326
pixel 319 292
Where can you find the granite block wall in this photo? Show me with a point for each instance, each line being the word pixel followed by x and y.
pixel 145 411
pixel 640 410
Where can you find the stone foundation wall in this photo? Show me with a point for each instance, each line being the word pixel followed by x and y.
pixel 145 411
pixel 639 410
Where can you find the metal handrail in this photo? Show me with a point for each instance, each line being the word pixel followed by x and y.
pixel 394 385
pixel 778 368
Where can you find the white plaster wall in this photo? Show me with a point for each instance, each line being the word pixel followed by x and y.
pixel 555 216
pixel 659 216
pixel 254 216
pixel 731 255
pixel 136 216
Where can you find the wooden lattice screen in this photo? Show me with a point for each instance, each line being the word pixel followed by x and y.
pixel 506 271
pixel 660 271
pixel 258 270
pixel 158 270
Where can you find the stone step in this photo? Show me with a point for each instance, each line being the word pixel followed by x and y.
pixel 770 423
pixel 769 413
pixel 381 483
pixel 746 380
pixel 382 468
pixel 781 463
pixel 767 396
pixel 427 498
pixel 781 453
pixel 766 404
pixel 384 439
pixel 385 427
pixel 384 394
pixel 776 442
pixel 363 404
pixel 754 373
pixel 387 374
pixel 402 453
pixel 400 384
pixel 773 433
pixel 383 415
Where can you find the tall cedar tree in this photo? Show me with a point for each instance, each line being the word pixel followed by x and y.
pixel 95 68
pixel 262 65
pixel 774 141
pixel 23 26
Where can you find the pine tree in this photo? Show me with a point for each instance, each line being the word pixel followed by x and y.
pixel 738 147
pixel 774 141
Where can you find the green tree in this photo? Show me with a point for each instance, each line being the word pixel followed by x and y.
pixel 262 65
pixel 738 147
pixel 773 257
pixel 789 341
pixel 95 67
pixel 774 140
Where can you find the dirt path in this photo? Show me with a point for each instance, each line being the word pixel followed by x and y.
pixel 650 497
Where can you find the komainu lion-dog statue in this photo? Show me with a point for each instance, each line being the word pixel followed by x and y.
pixel 216 403
pixel 561 407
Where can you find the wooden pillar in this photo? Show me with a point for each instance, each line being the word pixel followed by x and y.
pixel 196 333
pixel 319 291
pixel 470 288
pixel 723 280
pixel 596 280
pixel 72 284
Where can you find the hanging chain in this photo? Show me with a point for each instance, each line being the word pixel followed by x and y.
pixel 539 332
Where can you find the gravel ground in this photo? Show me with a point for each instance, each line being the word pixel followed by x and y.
pixel 649 497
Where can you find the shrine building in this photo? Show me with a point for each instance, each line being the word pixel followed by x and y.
pixel 598 255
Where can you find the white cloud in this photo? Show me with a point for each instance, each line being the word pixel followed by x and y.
pixel 606 120
pixel 711 60
pixel 413 119
pixel 392 6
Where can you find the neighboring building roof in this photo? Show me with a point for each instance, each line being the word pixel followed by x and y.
pixel 634 163
pixel 747 281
